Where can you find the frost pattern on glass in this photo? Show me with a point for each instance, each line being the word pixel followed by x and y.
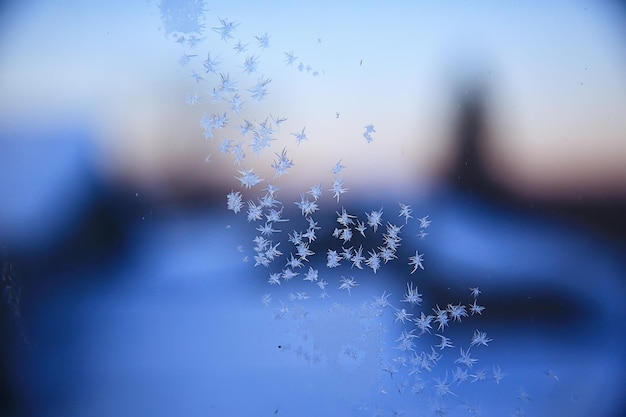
pixel 426 360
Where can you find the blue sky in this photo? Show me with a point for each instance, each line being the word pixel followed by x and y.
pixel 555 77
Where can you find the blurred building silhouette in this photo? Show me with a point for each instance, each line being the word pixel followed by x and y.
pixel 472 177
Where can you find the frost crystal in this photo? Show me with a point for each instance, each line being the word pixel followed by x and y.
pixel 300 136
pixel 211 64
pixel 259 90
pixel 290 58
pixel 412 296
pixel 226 30
pixel 337 188
pixel 248 178
pixel 338 167
pixel 282 164
pixel 263 40
pixel 250 64
pixel 416 261
pixel 234 201
pixel 369 129
pixel 347 284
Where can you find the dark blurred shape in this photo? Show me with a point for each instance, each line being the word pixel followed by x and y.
pixel 11 329
pixel 59 224
pixel 470 174
pixel 58 214
pixel 472 177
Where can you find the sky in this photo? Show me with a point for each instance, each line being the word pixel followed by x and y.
pixel 554 77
